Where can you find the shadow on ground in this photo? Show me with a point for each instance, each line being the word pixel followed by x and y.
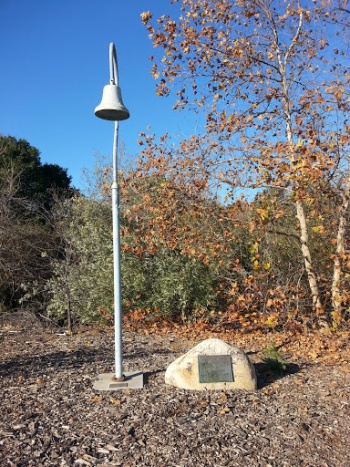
pixel 266 376
pixel 28 365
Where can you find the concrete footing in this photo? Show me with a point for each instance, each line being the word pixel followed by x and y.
pixel 107 382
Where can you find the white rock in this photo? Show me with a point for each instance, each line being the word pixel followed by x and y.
pixel 184 371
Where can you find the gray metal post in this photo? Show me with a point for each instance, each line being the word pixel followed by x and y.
pixel 117 261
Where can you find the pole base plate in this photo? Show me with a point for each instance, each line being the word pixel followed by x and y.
pixel 106 381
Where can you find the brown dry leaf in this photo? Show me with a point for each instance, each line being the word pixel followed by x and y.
pixel 21 378
pixel 96 399
pixel 115 401
pixel 224 411
pixel 313 354
pixel 39 381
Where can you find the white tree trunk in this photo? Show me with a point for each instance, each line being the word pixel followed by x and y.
pixel 304 239
pixel 300 213
pixel 340 250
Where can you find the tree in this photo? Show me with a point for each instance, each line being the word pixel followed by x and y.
pixel 37 182
pixel 274 92
pixel 27 191
pixel 22 244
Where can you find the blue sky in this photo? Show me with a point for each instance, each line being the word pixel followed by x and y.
pixel 54 65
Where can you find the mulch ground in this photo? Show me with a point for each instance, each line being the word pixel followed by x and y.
pixel 51 416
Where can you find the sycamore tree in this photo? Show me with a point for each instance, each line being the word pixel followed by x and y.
pixel 271 78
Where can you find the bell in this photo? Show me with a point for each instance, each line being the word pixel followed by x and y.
pixel 112 107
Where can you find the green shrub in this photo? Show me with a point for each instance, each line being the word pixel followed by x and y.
pixel 274 358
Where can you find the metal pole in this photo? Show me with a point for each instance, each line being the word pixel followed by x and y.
pixel 116 261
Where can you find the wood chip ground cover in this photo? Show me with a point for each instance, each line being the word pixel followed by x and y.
pixel 50 415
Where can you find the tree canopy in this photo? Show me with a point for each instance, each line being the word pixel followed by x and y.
pixel 36 181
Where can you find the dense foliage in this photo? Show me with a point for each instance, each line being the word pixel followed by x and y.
pixel 28 189
pixel 186 257
pixel 163 281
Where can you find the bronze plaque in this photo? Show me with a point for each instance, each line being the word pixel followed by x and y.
pixel 215 369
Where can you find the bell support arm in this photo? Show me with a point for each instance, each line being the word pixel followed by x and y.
pixel 113 64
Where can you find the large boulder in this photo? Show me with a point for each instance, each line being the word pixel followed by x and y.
pixel 212 364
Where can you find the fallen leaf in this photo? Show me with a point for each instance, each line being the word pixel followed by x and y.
pixel 96 399
pixel 115 401
pixel 224 411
